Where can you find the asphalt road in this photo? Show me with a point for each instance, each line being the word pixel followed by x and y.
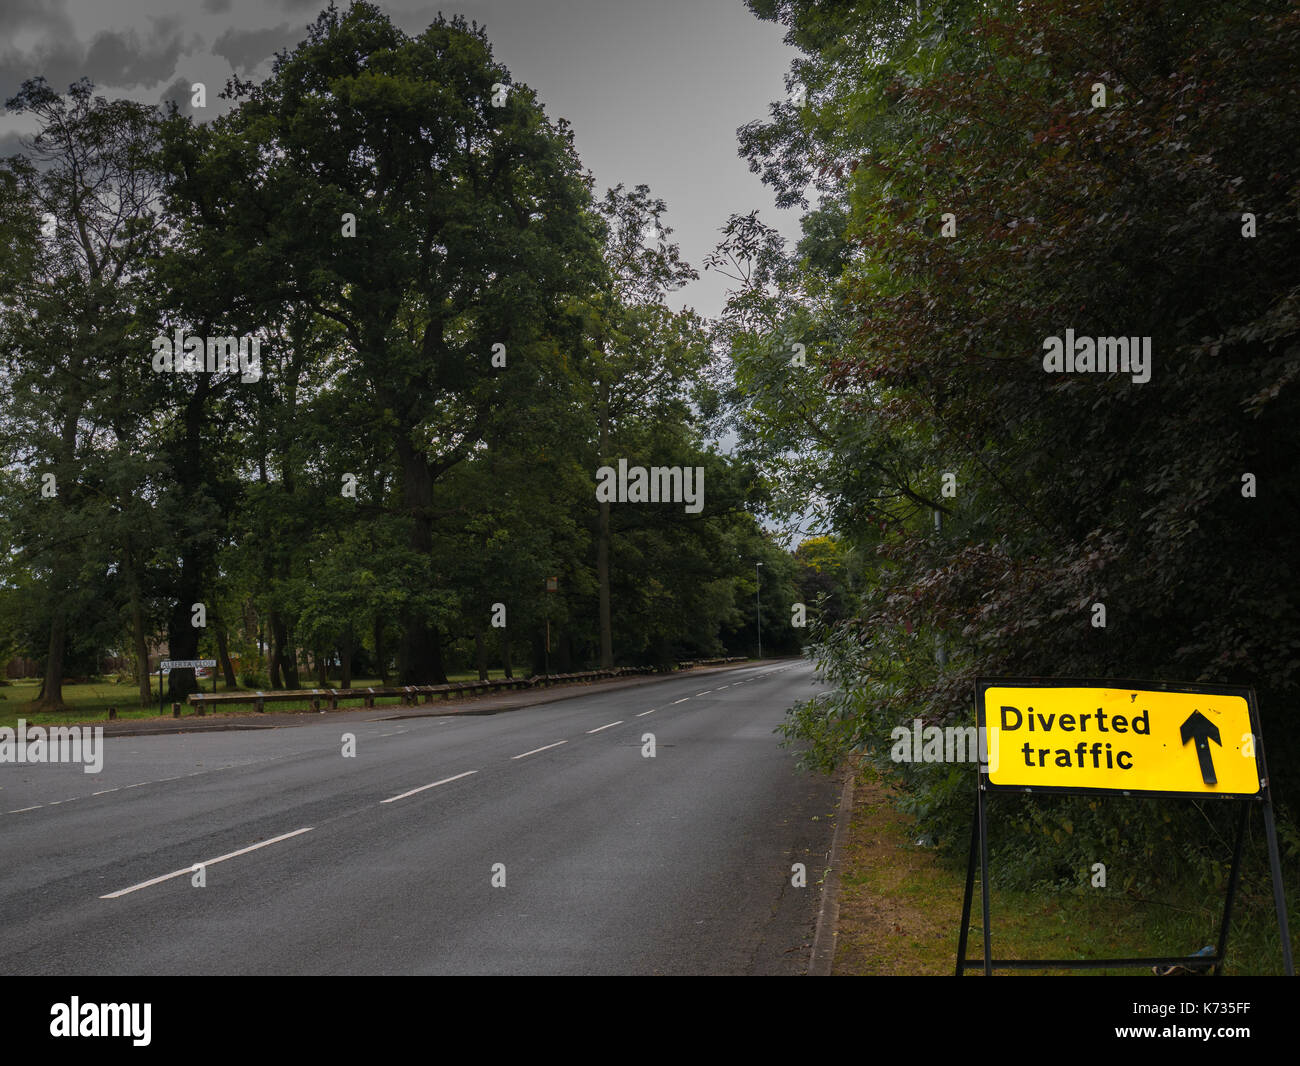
pixel 613 862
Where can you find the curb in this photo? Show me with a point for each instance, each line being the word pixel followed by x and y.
pixel 823 952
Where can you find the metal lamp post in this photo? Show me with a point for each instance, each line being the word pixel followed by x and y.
pixel 758 601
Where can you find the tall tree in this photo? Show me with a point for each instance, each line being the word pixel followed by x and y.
pixel 464 231
pixel 636 367
pixel 78 353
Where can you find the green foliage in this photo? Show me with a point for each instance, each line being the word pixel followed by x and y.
pixel 1071 488
pixel 385 482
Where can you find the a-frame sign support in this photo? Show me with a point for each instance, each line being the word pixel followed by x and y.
pixel 1160 769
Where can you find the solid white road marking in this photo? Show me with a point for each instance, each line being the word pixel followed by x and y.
pixel 599 728
pixel 209 862
pixel 445 780
pixel 536 750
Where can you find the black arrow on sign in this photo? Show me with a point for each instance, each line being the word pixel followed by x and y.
pixel 1204 731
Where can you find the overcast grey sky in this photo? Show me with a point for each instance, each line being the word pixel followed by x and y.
pixel 655 89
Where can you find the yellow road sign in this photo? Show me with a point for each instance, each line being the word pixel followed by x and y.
pixel 1122 739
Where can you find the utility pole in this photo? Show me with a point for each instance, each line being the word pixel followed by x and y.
pixel 758 601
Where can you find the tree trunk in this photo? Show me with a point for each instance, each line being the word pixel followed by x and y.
pixel 439 669
pixel 51 694
pixel 141 650
pixel 289 662
pixel 346 676
pixel 223 654
pixel 419 654
pixel 381 653
pixel 505 654
pixel 196 554
pixel 138 641
pixel 541 659
pixel 277 649
pixel 183 639
pixel 260 642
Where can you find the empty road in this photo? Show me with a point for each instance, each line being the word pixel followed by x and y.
pixel 540 841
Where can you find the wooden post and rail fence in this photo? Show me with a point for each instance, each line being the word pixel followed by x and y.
pixel 413 695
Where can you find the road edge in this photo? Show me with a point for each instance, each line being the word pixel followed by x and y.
pixel 474 705
pixel 828 917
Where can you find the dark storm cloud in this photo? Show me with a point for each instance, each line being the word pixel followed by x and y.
pixel 11 144
pixel 113 60
pixel 655 88
pixel 245 49
pixel 182 92
pixel 33 14
pixel 58 62
pixel 120 60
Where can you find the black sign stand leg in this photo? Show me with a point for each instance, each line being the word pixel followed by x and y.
pixel 1232 887
pixel 979 835
pixel 970 884
pixel 984 878
pixel 1279 899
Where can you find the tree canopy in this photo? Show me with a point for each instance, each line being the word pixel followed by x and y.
pixel 987 178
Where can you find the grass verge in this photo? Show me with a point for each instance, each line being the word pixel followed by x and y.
pixel 900 909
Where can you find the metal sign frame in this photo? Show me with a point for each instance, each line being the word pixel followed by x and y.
pixel 979 842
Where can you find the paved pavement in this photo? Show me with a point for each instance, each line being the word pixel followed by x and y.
pixel 384 863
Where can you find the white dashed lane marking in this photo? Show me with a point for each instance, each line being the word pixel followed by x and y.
pixel 423 788
pixel 548 747
pixel 209 862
